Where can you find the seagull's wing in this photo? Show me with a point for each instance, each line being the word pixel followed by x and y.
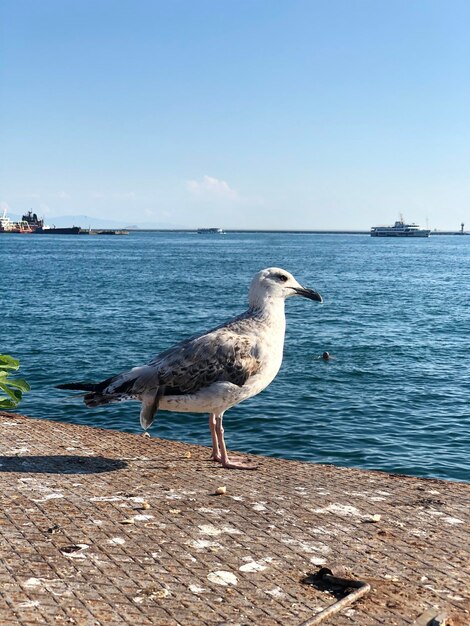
pixel 227 354
pixel 222 355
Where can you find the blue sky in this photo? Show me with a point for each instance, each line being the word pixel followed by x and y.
pixel 246 113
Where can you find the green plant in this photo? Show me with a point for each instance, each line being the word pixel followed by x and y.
pixel 11 388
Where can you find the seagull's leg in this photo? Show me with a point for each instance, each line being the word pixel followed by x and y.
pixel 215 456
pixel 219 430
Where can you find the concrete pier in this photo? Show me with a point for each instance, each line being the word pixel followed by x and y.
pixel 102 528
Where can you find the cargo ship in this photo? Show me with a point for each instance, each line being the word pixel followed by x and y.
pixel 37 226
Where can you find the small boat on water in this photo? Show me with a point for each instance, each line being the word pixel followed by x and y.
pixel 108 231
pixel 210 231
pixel 399 229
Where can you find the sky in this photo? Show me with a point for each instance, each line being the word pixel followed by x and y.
pixel 319 114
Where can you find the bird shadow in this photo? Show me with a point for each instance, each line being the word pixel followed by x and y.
pixel 60 464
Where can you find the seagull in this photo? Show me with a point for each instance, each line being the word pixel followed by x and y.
pixel 213 371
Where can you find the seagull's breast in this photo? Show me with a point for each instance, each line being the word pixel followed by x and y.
pixel 270 352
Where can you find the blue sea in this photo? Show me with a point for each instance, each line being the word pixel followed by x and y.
pixel 396 318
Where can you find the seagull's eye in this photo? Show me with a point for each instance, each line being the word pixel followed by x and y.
pixel 281 277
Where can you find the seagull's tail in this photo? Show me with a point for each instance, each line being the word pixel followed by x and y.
pixel 85 386
pixel 96 395
pixel 118 389
pixel 78 386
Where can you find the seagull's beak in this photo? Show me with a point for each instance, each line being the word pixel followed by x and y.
pixel 311 294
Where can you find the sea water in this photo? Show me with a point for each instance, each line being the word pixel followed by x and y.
pixel 395 317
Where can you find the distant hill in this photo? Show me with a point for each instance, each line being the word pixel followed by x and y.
pixel 86 221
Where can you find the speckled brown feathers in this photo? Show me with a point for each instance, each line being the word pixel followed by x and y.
pixel 219 356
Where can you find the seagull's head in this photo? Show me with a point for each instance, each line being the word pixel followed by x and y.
pixel 274 283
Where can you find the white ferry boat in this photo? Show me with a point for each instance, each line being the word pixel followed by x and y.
pixel 210 231
pixel 399 229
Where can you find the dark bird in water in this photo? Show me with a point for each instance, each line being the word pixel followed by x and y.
pixel 212 372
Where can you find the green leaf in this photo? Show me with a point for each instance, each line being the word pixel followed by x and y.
pixel 15 394
pixel 7 362
pixel 7 404
pixel 12 388
pixel 18 383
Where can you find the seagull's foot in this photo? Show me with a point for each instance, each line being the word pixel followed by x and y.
pixel 240 465
pixel 218 458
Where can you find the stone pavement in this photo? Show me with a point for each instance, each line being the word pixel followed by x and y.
pixel 103 528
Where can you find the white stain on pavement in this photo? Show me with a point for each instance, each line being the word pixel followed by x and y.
pixel 223 578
